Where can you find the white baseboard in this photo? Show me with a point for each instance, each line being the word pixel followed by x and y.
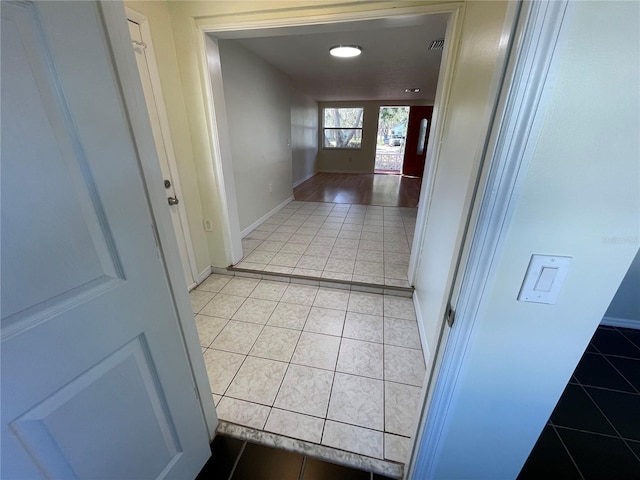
pixel 253 226
pixel 421 330
pixel 202 276
pixel 304 179
pixel 620 322
pixel 343 171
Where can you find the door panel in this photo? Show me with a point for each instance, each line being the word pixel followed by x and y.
pixel 95 377
pixel 415 149
pixel 69 450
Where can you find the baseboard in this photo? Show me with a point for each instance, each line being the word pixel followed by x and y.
pixel 343 171
pixel 255 224
pixel 421 330
pixel 304 179
pixel 620 322
pixel 202 276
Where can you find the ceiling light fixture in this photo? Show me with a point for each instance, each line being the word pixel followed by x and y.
pixel 345 51
pixel 412 90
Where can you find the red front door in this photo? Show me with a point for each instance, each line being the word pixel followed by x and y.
pixel 415 149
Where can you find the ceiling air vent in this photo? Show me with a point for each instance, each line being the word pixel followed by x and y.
pixel 437 44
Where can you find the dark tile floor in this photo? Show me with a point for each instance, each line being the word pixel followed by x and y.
pixel 594 431
pixel 233 459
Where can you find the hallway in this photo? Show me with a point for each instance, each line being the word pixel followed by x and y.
pixel 335 367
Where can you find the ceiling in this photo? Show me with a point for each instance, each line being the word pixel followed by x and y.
pixel 394 57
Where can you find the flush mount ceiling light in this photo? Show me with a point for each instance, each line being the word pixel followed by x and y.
pixel 345 51
pixel 411 90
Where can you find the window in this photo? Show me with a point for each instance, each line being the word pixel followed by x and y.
pixel 342 127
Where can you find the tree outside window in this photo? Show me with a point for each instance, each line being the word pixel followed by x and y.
pixel 342 128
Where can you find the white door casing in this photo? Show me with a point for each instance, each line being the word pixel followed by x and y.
pixel 157 115
pixel 96 381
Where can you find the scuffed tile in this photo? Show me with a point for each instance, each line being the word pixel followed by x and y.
pixel 396 448
pixel 257 380
pixel 357 400
pixel 360 358
pixel 295 425
pixel 305 390
pixel 221 368
pixel 275 343
pixel 243 413
pixel 353 439
pixel 402 404
pixel 316 350
pixel 404 365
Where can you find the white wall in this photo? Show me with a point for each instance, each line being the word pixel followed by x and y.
pixel 258 105
pixel 625 306
pixel 304 136
pixel 581 189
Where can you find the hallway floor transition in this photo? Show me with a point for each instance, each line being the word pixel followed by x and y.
pixel 339 241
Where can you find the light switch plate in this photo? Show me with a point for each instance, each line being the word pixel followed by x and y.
pixel 544 278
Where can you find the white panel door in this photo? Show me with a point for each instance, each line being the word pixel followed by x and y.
pixel 96 381
pixel 172 188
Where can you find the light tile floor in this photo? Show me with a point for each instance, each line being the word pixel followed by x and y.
pixel 360 243
pixel 334 367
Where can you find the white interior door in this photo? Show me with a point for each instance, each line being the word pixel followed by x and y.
pixel 95 377
pixel 165 153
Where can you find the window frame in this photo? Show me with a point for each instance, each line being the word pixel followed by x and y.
pixel 324 128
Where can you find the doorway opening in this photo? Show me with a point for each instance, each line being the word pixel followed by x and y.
pixel 339 259
pixel 316 333
pixel 391 139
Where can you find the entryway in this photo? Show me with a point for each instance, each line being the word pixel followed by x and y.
pixel 392 133
pixel 403 133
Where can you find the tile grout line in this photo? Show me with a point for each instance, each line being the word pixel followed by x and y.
pixel 577 382
pixel 304 463
pixel 624 439
pixel 326 416
pixel 567 451
pixel 326 369
pixel 384 387
pixel 235 464
pixel 243 361
pixel 288 365
pixel 621 332
pixel 600 410
pixel 286 369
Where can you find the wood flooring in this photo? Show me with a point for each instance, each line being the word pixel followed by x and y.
pixel 360 188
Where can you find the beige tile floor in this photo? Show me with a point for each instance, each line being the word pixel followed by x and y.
pixel 334 367
pixel 359 243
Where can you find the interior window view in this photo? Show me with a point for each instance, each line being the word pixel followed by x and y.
pixel 310 240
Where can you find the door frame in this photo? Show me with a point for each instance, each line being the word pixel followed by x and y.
pixel 119 40
pixel 212 87
pixel 215 110
pixel 506 159
pixel 163 121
